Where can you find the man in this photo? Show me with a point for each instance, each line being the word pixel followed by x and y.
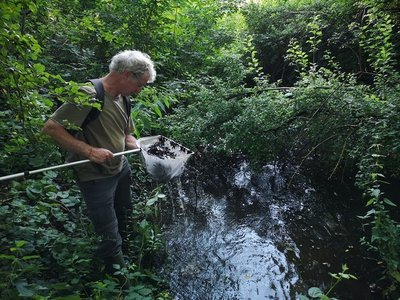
pixel 105 181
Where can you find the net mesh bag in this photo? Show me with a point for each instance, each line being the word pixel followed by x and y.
pixel 163 158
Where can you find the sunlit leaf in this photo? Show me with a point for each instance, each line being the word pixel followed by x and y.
pixel 151 201
pixel 388 202
pixel 315 292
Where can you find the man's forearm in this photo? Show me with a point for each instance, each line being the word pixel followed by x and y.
pixel 65 140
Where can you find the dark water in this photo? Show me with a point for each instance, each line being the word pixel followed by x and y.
pixel 242 234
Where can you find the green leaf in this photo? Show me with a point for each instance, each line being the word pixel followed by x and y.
pixel 344 275
pixel 39 68
pixel 167 102
pixel 376 192
pixel 20 244
pixel 32 6
pixel 388 202
pixel 370 202
pixel 29 257
pixel 151 201
pixel 374 237
pixel 23 289
pixel 395 275
pixel 157 111
pixel 143 224
pixel 144 291
pixel 59 90
pixel 334 275
pixel 5 256
pixel 315 292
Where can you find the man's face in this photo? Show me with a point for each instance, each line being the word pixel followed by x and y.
pixel 134 85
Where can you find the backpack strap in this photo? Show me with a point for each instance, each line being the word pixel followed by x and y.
pixel 99 87
pixel 94 112
pixel 100 95
pixel 128 105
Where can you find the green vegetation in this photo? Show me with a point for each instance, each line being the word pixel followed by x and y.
pixel 316 293
pixel 311 82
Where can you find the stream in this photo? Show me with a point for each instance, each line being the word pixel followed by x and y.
pixel 242 234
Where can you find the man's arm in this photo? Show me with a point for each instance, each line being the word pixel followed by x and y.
pixel 66 141
pixel 131 142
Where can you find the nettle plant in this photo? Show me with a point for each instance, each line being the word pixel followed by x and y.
pixel 378 162
pixel 385 232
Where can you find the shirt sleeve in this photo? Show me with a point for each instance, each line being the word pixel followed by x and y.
pixel 70 115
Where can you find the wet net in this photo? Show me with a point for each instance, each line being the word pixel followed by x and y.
pixel 163 158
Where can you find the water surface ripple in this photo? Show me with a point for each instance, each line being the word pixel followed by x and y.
pixel 241 236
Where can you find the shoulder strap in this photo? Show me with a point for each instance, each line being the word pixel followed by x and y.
pixel 128 106
pixel 94 112
pixel 98 86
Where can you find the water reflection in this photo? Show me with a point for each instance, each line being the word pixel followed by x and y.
pixel 226 260
pixel 241 236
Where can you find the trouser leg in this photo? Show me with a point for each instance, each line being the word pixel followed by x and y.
pixel 123 202
pixel 99 199
pixel 107 201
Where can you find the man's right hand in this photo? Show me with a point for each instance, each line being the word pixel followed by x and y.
pixel 100 155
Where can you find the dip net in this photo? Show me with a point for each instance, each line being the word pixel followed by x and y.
pixel 163 158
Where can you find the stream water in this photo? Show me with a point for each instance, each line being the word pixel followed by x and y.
pixel 241 234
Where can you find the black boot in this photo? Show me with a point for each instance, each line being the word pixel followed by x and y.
pixel 110 270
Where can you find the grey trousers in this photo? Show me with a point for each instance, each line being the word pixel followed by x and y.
pixel 108 201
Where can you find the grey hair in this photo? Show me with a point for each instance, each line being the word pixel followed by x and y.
pixel 133 61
